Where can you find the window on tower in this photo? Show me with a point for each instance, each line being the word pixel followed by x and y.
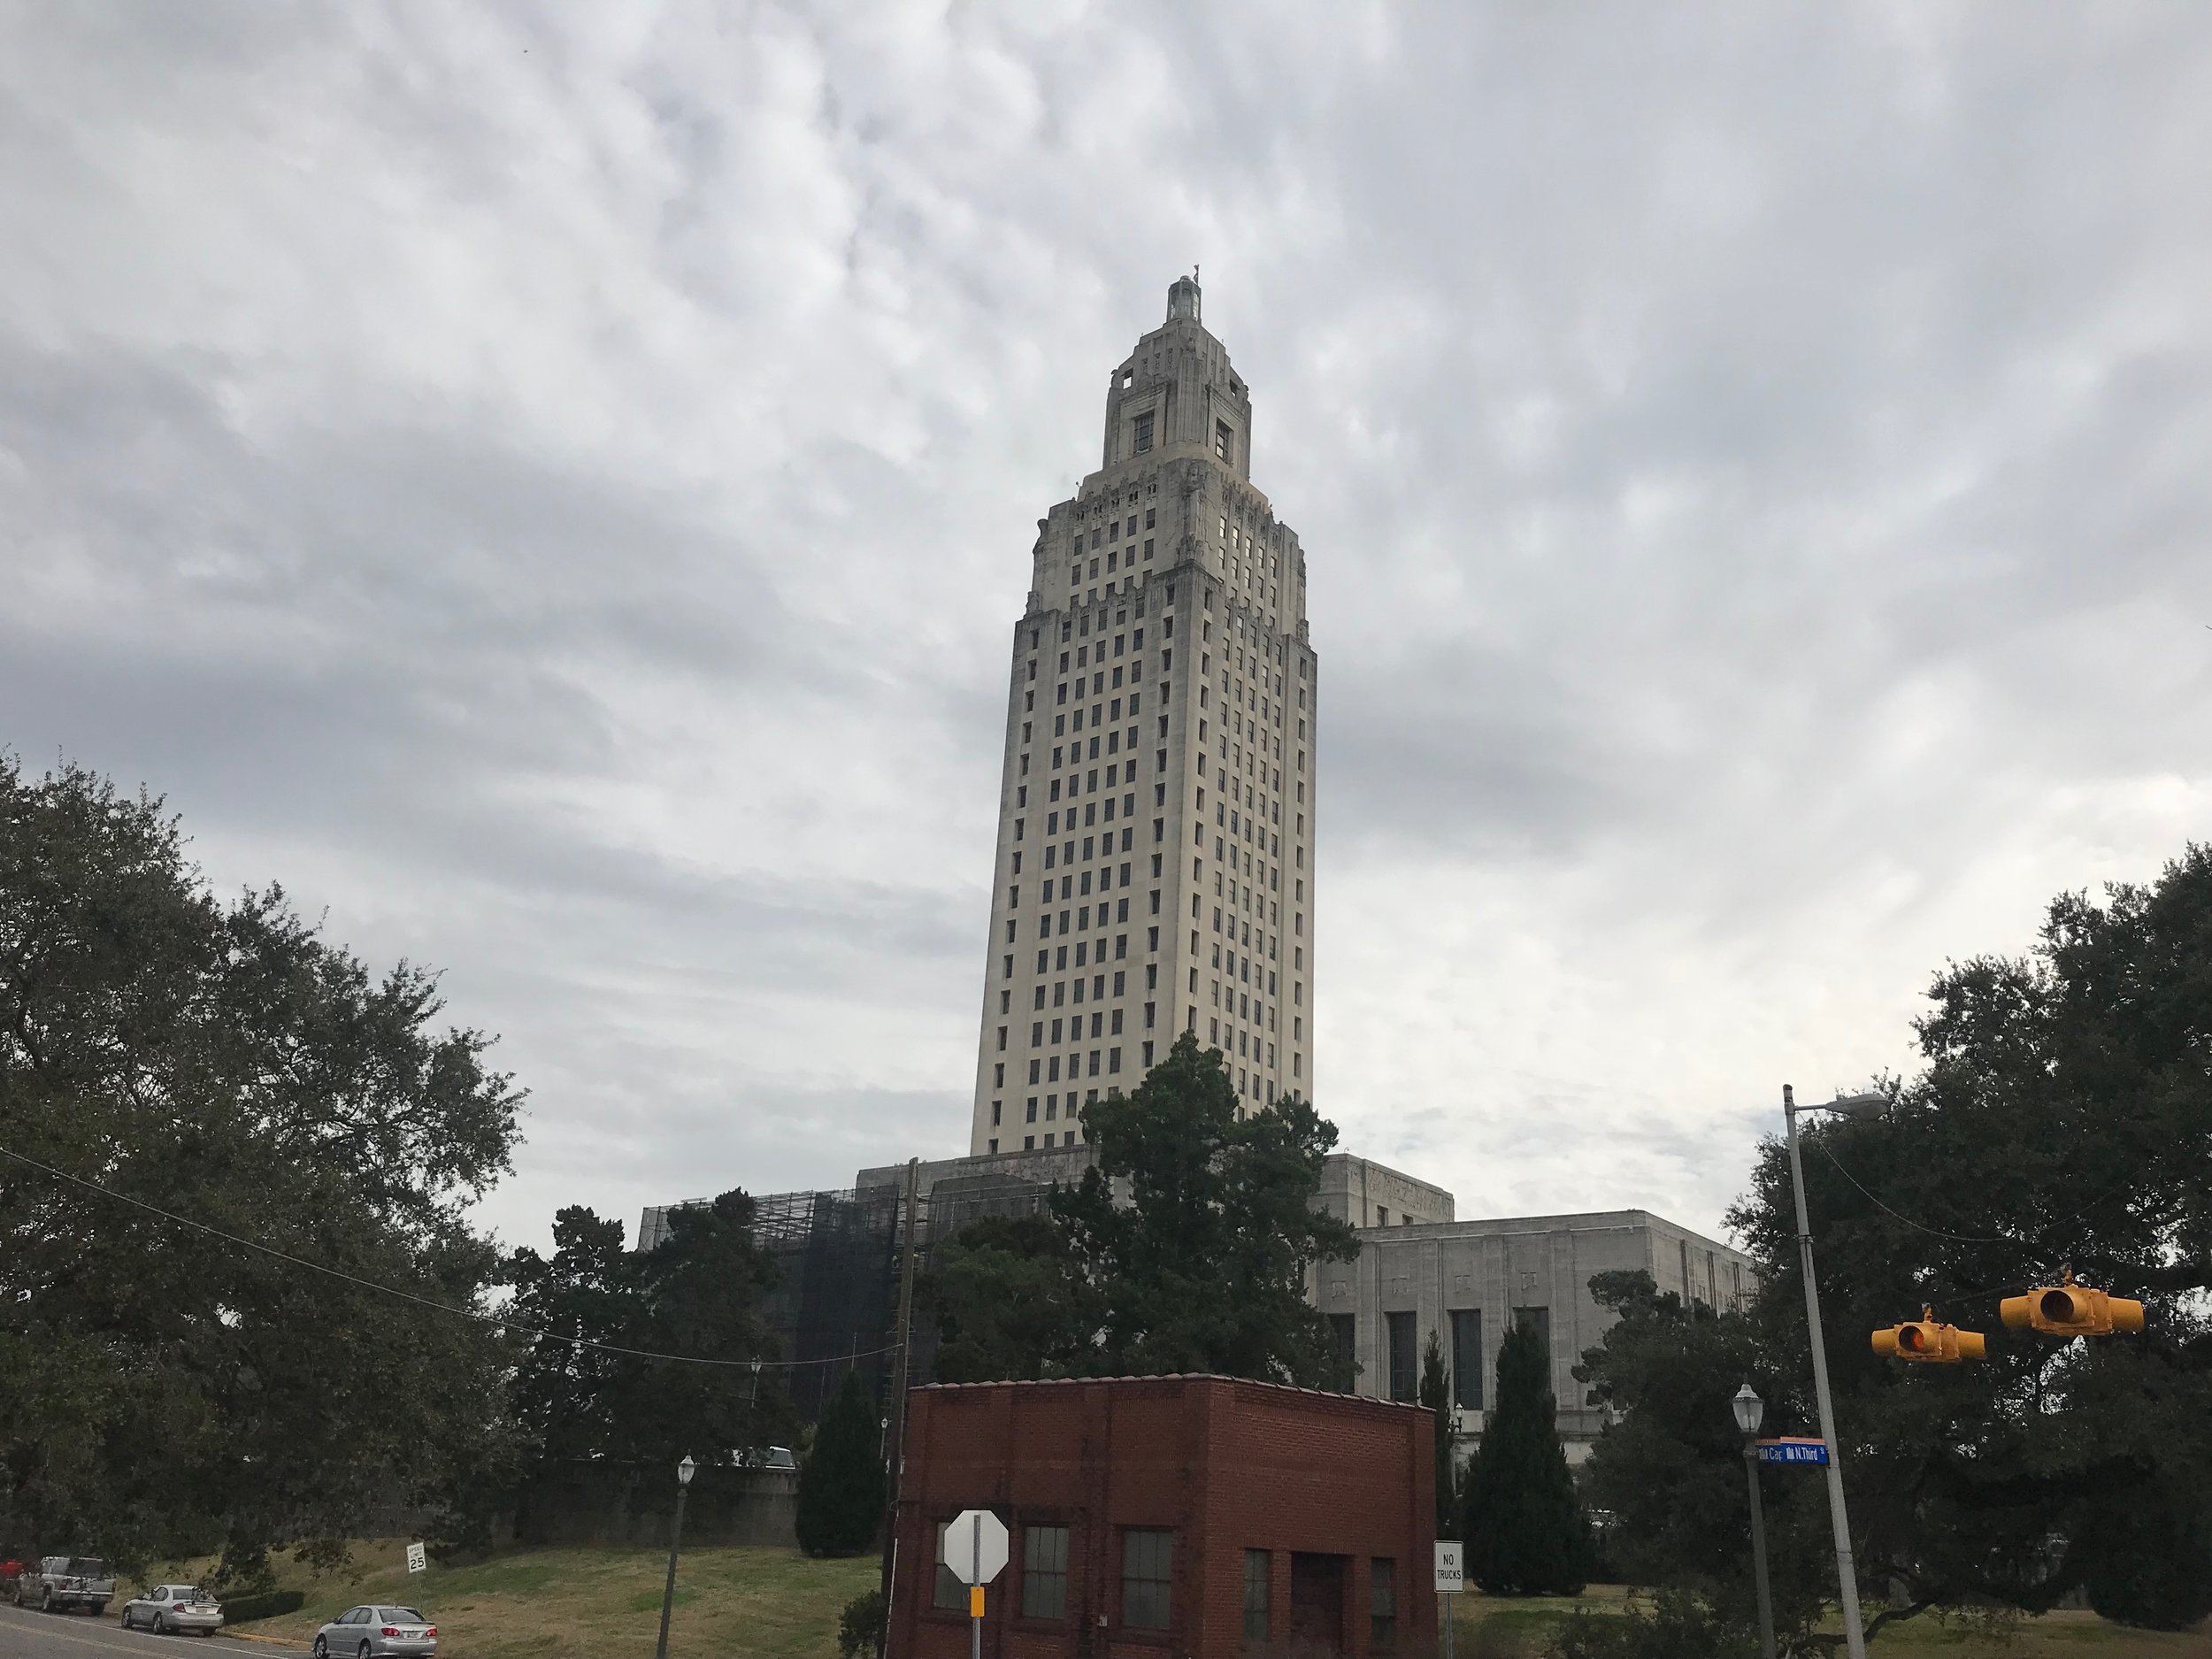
pixel 1142 432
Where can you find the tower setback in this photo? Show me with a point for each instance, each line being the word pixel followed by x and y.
pixel 1155 856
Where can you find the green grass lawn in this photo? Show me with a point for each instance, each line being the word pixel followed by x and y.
pixel 1520 1628
pixel 752 1603
pixel 731 1603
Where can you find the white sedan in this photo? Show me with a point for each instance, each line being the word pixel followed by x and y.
pixel 174 1608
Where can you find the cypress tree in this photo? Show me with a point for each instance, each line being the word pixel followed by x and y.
pixel 1524 1529
pixel 840 1484
pixel 1436 1394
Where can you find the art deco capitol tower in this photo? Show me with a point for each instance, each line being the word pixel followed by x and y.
pixel 1155 862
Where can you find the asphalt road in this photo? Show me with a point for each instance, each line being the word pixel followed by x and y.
pixel 27 1635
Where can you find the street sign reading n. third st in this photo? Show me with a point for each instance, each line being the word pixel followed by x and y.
pixel 1792 1449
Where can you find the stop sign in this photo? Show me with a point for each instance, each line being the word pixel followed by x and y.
pixel 975 1545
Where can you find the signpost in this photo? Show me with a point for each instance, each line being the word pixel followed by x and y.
pixel 1451 1578
pixel 1793 1448
pixel 417 1561
pixel 975 1549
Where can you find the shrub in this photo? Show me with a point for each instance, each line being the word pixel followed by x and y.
pixel 243 1609
pixel 858 1625
pixel 1679 1626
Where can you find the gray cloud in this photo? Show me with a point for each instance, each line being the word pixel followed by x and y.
pixel 554 487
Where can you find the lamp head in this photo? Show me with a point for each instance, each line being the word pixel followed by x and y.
pixel 685 1470
pixel 1867 1104
pixel 1749 1409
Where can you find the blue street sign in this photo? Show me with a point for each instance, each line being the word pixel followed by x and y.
pixel 1792 1449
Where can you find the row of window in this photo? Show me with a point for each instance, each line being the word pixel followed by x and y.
pixel 1101 714
pixel 1114 530
pixel 1067 1137
pixel 1097 984
pixel 1114 561
pixel 1069 888
pixel 1112 1027
pixel 1247 1045
pixel 1081 915
pixel 1074 755
pixel 1048 1069
pixel 1402 1355
pixel 1147 1601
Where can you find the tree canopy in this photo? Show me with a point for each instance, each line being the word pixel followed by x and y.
pixel 2064 1117
pixel 1184 1248
pixel 842 1482
pixel 161 1388
pixel 1525 1529
pixel 696 1294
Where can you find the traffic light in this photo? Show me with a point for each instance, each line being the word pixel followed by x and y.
pixel 2070 1310
pixel 1923 1339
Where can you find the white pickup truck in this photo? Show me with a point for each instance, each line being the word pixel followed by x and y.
pixel 58 1582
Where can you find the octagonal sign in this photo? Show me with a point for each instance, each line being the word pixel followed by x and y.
pixel 975 1545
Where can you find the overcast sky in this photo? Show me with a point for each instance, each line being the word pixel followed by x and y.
pixel 553 487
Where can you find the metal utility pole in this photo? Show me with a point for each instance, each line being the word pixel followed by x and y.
pixel 1847 1575
pixel 1749 1409
pixel 894 1453
pixel 675 1542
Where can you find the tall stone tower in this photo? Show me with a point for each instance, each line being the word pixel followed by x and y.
pixel 1155 861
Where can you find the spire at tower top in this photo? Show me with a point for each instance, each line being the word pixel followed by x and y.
pixel 1183 297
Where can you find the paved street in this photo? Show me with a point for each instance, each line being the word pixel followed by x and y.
pixel 27 1635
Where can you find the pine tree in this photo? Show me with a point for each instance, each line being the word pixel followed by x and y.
pixel 1436 1395
pixel 1526 1532
pixel 840 1484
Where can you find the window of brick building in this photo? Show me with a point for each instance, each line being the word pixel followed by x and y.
pixel 1044 1572
pixel 1255 1588
pixel 1146 1560
pixel 950 1591
pixel 1382 1604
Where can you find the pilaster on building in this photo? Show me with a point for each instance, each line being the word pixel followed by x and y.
pixel 1154 866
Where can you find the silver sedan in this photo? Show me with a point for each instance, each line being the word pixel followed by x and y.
pixel 174 1607
pixel 376 1632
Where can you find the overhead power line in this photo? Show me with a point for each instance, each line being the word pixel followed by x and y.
pixel 497 1321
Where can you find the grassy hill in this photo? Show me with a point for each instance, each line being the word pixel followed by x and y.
pixel 752 1603
pixel 1519 1628
pixel 731 1603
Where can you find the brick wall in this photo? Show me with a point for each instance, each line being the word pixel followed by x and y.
pixel 1225 1466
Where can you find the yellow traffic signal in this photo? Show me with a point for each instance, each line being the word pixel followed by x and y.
pixel 1923 1339
pixel 2070 1310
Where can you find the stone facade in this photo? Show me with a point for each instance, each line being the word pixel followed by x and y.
pixel 1466 1280
pixel 1153 870
pixel 1371 1195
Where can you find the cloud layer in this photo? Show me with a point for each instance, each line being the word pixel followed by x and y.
pixel 552 488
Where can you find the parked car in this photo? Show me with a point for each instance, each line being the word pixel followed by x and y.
pixel 54 1584
pixel 174 1607
pixel 374 1632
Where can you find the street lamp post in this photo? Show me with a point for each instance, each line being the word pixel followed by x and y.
pixel 1749 1409
pixel 1847 1575
pixel 684 1472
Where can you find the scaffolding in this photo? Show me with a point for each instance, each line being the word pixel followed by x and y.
pixel 834 1301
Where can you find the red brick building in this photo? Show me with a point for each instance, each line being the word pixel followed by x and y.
pixel 1171 1517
